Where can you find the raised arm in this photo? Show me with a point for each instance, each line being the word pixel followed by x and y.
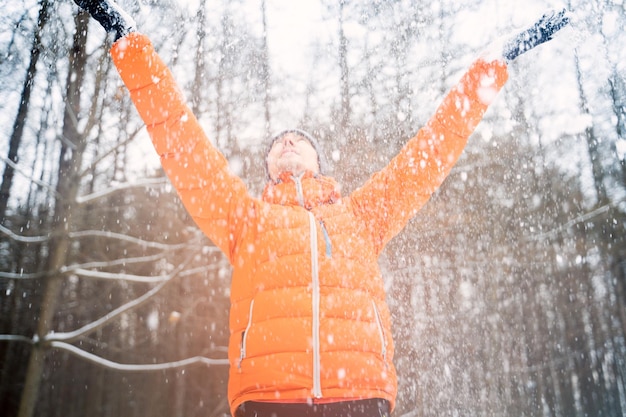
pixel 392 196
pixel 217 200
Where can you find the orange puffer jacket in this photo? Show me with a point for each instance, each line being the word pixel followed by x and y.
pixel 308 319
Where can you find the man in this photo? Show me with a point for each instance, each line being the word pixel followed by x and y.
pixel 310 329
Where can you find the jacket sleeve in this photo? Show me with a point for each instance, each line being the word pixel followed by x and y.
pixel 199 172
pixel 388 200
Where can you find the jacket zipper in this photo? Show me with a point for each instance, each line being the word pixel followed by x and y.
pixel 315 296
pixel 317 385
pixel 381 331
pixel 244 337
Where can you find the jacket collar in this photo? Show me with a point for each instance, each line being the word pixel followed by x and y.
pixel 308 190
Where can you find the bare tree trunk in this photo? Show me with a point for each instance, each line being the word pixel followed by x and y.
pixel 199 76
pixel 67 189
pixel 592 144
pixel 265 73
pixel 221 100
pixel 618 249
pixel 22 111
pixel 618 96
pixel 345 79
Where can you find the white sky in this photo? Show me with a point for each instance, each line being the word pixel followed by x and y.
pixel 291 28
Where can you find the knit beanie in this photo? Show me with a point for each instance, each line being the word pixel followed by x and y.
pixel 321 158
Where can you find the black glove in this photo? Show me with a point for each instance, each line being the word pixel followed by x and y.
pixel 540 32
pixel 111 16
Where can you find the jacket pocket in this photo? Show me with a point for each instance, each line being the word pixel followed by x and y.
pixel 381 331
pixel 244 336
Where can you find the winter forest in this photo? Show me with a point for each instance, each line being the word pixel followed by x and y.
pixel 507 290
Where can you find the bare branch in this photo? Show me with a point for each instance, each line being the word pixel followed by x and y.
pixel 102 156
pixel 29 177
pixel 105 363
pixel 23 239
pixel 139 184
pixel 102 321
pixel 15 275
pixel 86 273
pixel 15 338
pixel 563 227
pixel 126 238
pixel 95 233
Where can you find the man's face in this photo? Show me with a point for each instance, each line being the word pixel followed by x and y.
pixel 291 153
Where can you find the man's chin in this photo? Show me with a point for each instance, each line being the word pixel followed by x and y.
pixel 293 168
pixel 292 171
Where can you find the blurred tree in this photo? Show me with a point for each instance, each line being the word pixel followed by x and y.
pixel 22 112
pixel 67 190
